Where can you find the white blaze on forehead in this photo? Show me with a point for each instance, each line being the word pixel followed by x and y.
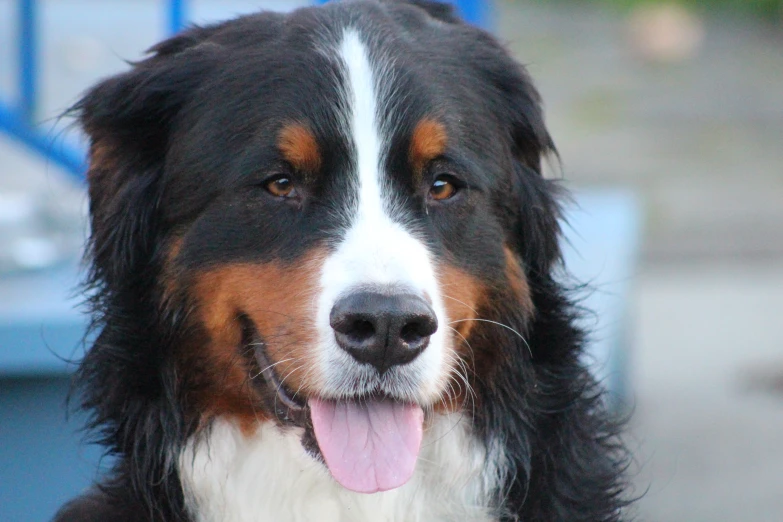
pixel 376 249
pixel 363 118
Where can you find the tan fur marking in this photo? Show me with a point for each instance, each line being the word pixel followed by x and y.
pixel 278 300
pixel 175 246
pixel 518 282
pixel 467 298
pixel 463 295
pixel 299 147
pixel 103 179
pixel 169 272
pixel 101 156
pixel 428 141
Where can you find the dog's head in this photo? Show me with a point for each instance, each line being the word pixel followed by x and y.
pixel 303 219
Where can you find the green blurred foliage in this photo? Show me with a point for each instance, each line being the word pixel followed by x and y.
pixel 767 8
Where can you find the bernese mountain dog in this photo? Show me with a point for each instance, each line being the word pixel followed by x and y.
pixel 325 282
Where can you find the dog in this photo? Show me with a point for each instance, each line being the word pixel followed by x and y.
pixel 324 282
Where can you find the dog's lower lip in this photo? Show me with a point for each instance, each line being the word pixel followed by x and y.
pixel 270 376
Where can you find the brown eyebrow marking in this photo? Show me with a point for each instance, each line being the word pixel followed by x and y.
pixel 299 147
pixel 428 141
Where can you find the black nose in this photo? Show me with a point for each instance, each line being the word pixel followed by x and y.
pixel 383 330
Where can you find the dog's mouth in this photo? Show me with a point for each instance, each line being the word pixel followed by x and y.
pixel 369 443
pixel 287 406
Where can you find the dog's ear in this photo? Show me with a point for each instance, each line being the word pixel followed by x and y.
pixel 538 211
pixel 128 119
pixel 538 227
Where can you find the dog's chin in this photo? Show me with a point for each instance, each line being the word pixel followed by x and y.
pixel 368 437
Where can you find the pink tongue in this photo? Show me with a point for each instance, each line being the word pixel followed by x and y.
pixel 368 445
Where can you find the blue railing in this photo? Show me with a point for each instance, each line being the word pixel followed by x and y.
pixel 19 119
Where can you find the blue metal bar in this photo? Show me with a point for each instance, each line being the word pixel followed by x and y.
pixel 476 12
pixel 177 16
pixel 70 158
pixel 18 122
pixel 28 55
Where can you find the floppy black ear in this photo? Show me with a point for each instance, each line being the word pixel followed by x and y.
pixel 125 380
pixel 538 227
pixel 537 223
pixel 129 119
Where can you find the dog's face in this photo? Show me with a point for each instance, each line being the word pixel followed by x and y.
pixel 329 205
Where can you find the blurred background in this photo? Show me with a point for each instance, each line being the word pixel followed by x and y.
pixel 683 104
pixel 669 120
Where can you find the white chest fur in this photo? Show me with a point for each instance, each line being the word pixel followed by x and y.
pixel 268 477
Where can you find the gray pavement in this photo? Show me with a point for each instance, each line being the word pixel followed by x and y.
pixel 708 423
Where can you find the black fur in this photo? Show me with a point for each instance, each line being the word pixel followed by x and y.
pixel 161 130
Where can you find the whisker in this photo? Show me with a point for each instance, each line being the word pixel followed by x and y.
pixel 498 324
pixel 472 353
pixel 461 302
pixel 282 381
pixel 462 376
pixel 271 366
pixel 304 379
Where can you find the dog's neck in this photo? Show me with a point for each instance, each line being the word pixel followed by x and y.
pixel 229 476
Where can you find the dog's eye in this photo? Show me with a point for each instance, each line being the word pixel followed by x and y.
pixel 443 188
pixel 281 187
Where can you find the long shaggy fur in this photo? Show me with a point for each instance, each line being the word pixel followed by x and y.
pixel 534 399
